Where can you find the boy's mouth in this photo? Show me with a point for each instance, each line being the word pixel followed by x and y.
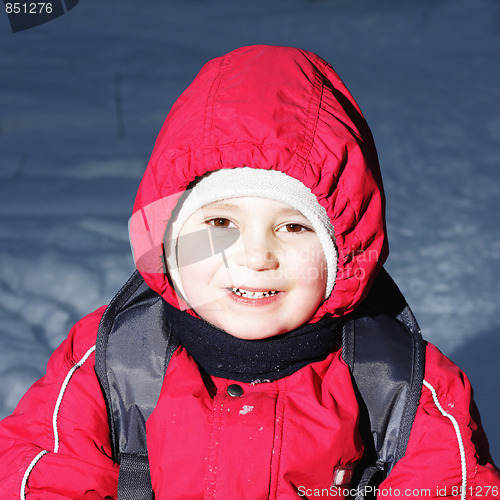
pixel 249 294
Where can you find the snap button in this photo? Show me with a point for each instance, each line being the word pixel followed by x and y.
pixel 235 390
pixel 342 475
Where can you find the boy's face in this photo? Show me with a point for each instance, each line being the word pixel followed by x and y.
pixel 271 275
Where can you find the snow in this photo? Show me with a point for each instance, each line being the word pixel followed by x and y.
pixel 246 409
pixel 83 97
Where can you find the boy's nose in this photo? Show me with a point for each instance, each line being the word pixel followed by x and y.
pixel 257 253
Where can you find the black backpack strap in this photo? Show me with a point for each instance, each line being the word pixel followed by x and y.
pixel 383 347
pixel 134 480
pixel 134 346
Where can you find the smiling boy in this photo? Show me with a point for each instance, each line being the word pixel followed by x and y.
pixel 266 288
pixel 259 235
pixel 275 272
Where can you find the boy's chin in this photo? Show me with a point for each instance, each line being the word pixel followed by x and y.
pixel 250 323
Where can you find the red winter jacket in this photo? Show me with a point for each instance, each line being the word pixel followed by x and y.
pixel 260 107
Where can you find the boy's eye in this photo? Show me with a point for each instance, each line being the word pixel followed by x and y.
pixel 220 222
pixel 293 228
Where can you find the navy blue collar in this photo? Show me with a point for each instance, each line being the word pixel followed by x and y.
pixel 222 355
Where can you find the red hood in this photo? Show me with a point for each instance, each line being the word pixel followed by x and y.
pixel 275 108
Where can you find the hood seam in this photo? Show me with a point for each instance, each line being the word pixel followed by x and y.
pixel 209 109
pixel 310 128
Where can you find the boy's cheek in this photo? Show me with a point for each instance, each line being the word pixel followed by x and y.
pixel 313 275
pixel 203 244
pixel 310 270
pixel 198 282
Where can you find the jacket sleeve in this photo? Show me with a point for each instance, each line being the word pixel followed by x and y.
pixel 447 454
pixel 56 443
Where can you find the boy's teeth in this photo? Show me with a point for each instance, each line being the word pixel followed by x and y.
pixel 253 295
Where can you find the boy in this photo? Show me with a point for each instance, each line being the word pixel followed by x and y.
pixel 260 224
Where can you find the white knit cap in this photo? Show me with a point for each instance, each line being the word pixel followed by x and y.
pixel 252 182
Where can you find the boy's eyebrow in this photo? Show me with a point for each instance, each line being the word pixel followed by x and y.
pixel 284 211
pixel 217 205
pixel 290 211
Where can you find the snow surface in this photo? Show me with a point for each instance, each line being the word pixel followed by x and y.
pixel 83 97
